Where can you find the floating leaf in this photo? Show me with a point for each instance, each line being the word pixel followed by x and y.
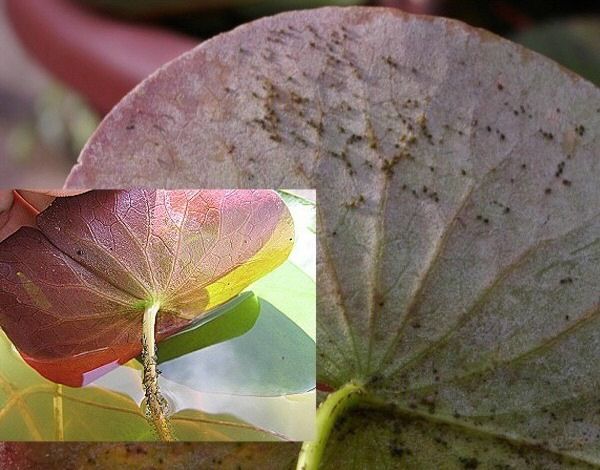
pixel 73 290
pixel 458 220
pixel 230 320
pixel 111 408
pixel 274 358
pixel 33 408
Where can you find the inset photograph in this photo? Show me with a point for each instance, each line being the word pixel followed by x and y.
pixel 172 315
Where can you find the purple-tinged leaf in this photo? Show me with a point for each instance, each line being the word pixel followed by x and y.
pixel 73 290
pixel 458 219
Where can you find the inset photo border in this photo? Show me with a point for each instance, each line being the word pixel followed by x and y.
pixel 142 315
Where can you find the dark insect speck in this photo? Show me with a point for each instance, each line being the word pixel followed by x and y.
pixel 396 451
pixel 469 462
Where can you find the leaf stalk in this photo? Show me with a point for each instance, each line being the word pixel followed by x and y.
pixel 335 405
pixel 59 418
pixel 156 405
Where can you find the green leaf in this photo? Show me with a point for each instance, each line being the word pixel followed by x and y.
pixel 33 408
pixel 273 358
pixel 297 300
pixel 228 321
pixel 459 231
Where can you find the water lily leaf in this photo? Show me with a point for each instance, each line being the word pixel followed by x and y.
pixel 33 408
pixel 73 290
pixel 459 232
pixel 273 358
pixel 230 320
pixel 297 300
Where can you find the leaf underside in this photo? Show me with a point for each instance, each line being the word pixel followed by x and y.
pixel 459 226
pixel 72 293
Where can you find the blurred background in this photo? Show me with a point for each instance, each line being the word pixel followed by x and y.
pixel 65 63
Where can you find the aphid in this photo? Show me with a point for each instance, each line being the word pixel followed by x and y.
pixel 356 202
pixel 391 62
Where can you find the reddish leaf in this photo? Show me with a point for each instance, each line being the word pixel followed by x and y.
pixel 73 290
pixel 458 222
